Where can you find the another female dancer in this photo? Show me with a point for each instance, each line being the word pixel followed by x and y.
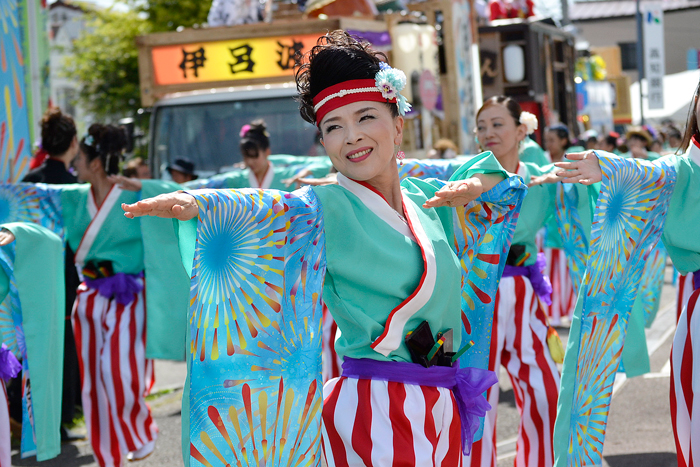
pixel 260 172
pixel 109 315
pixel 519 339
pixel 682 217
pixel 392 281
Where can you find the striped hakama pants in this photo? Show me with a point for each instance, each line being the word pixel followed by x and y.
pixel 563 295
pixel 684 380
pixel 684 288
pixel 384 424
pixel 115 375
pixel 519 343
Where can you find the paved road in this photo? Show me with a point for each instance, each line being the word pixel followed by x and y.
pixel 639 429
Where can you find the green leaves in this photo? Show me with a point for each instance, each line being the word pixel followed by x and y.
pixel 105 58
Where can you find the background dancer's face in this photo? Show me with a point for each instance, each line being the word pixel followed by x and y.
pixel 362 139
pixel 85 168
pixel 498 132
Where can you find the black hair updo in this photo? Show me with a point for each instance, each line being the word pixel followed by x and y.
pixel 335 58
pixel 106 142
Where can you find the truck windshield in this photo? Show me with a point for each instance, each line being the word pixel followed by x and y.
pixel 208 133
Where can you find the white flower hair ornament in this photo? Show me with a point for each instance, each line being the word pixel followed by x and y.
pixel 529 120
pixel 390 82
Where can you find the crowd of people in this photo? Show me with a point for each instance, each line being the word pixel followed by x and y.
pixel 428 285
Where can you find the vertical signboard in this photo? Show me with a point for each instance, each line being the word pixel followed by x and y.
pixel 466 80
pixel 654 61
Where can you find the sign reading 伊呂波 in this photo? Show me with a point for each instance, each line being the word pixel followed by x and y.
pixel 265 57
pixel 654 61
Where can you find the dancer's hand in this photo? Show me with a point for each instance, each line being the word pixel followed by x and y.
pixel 6 237
pixel 583 168
pixel 178 205
pixel 126 183
pixel 544 179
pixel 457 193
pixel 297 179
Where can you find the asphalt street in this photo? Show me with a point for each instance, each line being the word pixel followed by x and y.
pixel 639 429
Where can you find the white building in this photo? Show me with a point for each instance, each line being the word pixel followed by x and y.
pixel 66 24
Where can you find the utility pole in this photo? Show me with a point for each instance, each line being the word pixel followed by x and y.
pixel 640 59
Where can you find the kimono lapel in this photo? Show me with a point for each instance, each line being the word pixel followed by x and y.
pixel 99 215
pixel 377 204
pixel 267 180
pixel 694 151
pixel 393 334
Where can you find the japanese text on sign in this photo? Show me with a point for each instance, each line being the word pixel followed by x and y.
pixel 267 57
pixel 654 66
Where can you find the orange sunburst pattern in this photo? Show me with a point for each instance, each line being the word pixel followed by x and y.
pixel 255 348
pixel 483 230
pixel 627 223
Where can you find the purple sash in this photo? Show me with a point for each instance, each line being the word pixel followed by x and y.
pixel 467 385
pixel 696 279
pixel 120 286
pixel 9 365
pixel 535 272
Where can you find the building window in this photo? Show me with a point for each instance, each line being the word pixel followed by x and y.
pixel 628 53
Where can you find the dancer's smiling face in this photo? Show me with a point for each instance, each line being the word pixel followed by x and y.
pixel 498 131
pixel 362 139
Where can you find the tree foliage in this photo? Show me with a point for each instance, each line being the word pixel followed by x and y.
pixel 105 62
pixel 168 15
pixel 105 57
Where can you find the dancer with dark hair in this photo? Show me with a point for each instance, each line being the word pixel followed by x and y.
pixel 59 140
pixel 393 261
pixel 260 172
pixel 117 261
pixel 522 340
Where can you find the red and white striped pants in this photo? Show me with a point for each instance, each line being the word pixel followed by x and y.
pixel 111 343
pixel 5 449
pixel 684 288
pixel 384 424
pixel 519 343
pixel 563 294
pixel 331 362
pixel 685 414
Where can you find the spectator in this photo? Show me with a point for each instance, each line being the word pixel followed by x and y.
pixel 182 171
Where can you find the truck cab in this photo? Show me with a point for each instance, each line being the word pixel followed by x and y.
pixel 203 126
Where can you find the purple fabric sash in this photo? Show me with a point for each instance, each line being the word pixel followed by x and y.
pixel 535 272
pixel 120 286
pixel 9 365
pixel 696 279
pixel 467 385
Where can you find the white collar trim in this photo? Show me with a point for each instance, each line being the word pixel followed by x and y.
pixel 377 205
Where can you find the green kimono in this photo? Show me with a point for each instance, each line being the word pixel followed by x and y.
pixel 530 151
pixel 273 179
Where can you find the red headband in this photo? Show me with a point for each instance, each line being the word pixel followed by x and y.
pixel 345 93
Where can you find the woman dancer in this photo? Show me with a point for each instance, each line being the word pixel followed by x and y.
pixel 682 217
pixel 520 332
pixel 260 172
pixel 384 241
pixel 109 314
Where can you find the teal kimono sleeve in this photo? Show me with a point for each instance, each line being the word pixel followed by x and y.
pixel 36 334
pixel 254 351
pixel 484 163
pixel 167 282
pixel 628 220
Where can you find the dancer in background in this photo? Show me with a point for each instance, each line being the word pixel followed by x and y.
pixel 117 261
pixel 662 200
pixel 521 340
